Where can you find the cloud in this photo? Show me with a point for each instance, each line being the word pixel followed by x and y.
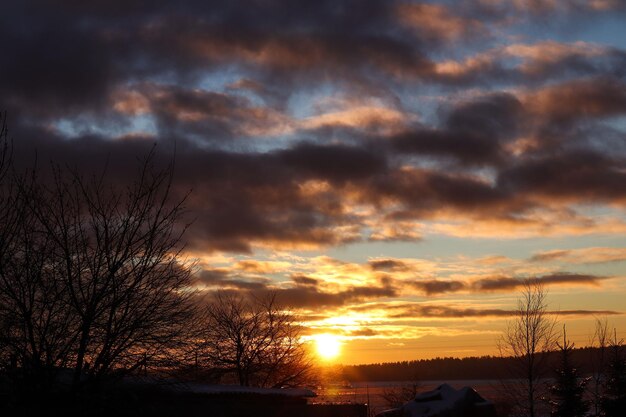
pixel 509 283
pixel 578 100
pixel 248 198
pixel 418 311
pixel 387 265
pixel 260 267
pixel 591 255
pixel 372 119
pixel 472 132
pixel 335 163
pixel 304 280
pixel 312 297
pixel 531 64
pixel 325 123
pixel 364 332
pixel 549 255
pixel 223 279
pixel 296 128
pixel 422 192
pixel 394 231
pixel 199 113
pixel 575 176
pixel 432 287
pixel 541 6
pixel 438 22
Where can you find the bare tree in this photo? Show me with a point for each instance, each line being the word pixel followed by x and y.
pixel 527 339
pixel 255 340
pixel 94 278
pixel 5 234
pixel 397 395
pixel 5 148
pixel 35 323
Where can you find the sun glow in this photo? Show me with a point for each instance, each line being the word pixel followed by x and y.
pixel 328 346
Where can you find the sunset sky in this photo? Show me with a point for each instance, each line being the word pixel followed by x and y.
pixel 392 170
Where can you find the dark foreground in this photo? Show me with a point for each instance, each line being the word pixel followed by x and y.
pixel 163 404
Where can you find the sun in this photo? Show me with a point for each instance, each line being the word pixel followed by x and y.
pixel 328 346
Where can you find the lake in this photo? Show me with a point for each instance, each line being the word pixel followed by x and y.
pixel 372 393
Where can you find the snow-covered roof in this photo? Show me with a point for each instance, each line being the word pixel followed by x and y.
pixel 441 401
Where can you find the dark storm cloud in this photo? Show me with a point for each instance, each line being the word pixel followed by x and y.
pixel 335 163
pixel 209 116
pixel 472 131
pixel 51 60
pixel 98 64
pixel 424 192
pixel 577 175
pixel 242 198
pixel 466 147
pixel 495 115
pixel 258 197
pixel 73 54
pixel 237 199
pixel 480 131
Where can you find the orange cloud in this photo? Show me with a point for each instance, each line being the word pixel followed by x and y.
pixel 538 224
pixel 580 99
pixel 372 118
pixel 437 21
pixel 582 256
pixel 540 59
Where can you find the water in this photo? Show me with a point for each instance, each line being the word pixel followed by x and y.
pixel 372 393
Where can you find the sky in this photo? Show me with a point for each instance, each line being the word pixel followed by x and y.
pixel 392 170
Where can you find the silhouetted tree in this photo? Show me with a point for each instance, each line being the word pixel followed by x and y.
pixel 256 340
pixel 614 401
pixel 528 339
pixel 91 273
pixel 5 148
pixel 38 325
pixel 33 317
pixel 398 395
pixel 5 233
pixel 567 392
pixel 598 359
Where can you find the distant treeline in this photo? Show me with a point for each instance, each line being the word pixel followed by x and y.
pixel 448 368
